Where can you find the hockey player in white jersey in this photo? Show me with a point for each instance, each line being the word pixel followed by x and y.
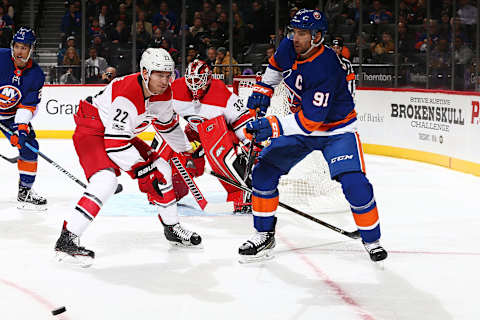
pixel 106 142
pixel 324 119
pixel 216 117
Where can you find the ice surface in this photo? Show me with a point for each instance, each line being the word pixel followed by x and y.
pixel 429 217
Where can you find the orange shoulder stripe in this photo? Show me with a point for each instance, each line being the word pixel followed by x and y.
pixel 274 63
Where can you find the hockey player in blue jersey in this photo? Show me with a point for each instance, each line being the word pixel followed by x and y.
pixel 323 119
pixel 21 82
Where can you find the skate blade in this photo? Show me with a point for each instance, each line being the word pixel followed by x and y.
pixel 267 255
pixel 174 244
pixel 31 207
pixel 78 261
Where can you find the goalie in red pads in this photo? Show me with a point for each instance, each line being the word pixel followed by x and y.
pixel 216 118
pixel 106 142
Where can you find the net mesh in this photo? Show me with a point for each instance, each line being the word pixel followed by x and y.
pixel 308 185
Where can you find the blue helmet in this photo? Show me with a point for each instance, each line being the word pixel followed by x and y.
pixel 313 20
pixel 25 35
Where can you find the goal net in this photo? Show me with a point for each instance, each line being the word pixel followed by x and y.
pixel 308 185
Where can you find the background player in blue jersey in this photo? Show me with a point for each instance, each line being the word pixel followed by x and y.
pixel 323 119
pixel 21 82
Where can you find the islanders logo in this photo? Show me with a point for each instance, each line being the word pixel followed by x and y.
pixel 9 97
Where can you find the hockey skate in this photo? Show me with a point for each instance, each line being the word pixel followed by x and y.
pixel 28 199
pixel 179 236
pixel 259 247
pixel 375 250
pixel 68 250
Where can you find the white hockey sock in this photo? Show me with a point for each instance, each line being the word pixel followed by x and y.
pixel 169 215
pixel 101 187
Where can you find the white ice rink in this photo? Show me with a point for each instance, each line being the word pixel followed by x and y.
pixel 430 224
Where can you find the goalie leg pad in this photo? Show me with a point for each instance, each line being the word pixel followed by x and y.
pixel 219 145
pixel 359 193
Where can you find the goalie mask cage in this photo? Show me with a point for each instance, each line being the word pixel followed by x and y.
pixel 308 185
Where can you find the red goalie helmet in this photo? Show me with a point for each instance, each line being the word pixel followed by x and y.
pixel 198 78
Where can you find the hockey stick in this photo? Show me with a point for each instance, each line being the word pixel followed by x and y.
pixel 251 157
pixel 11 160
pixel 350 234
pixel 197 194
pixel 53 163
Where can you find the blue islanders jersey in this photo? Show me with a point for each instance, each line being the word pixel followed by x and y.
pixel 317 89
pixel 19 88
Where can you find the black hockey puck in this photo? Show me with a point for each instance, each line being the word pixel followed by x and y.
pixel 59 311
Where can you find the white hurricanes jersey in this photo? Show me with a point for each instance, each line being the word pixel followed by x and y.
pixel 218 101
pixel 125 113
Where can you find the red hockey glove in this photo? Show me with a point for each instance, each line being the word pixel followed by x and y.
pixel 20 136
pixel 148 177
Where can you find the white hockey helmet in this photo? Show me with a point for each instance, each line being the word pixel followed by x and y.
pixel 156 59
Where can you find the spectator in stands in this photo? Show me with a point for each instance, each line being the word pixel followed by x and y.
pixel 259 25
pixel 156 39
pixel 406 42
pixel 211 57
pixel 123 15
pixel 104 18
pixel 71 57
pixel 164 31
pixel 165 14
pixel 204 43
pixel 70 43
pixel 94 7
pixel 95 66
pixel 463 53
pixel 120 33
pixel 422 40
pixel 9 9
pixel 440 61
pixel 379 14
pixel 207 14
pixel 332 10
pixel 197 27
pixel 71 21
pixel 165 44
pixel 216 36
pixel 467 13
pixel 5 20
pixel 445 27
pixel 361 44
pixel 239 31
pixel 223 57
pixel 95 29
pixel 98 44
pixel 383 48
pixel 219 9
pixel 148 8
pixel 269 52
pixel 192 53
pixel 69 77
pixel 143 37
pixel 412 11
pixel 222 22
pixel 146 24
pixel 444 7
pixel 109 74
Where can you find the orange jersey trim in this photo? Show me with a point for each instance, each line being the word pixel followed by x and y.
pixel 29 108
pixel 274 63
pixel 264 205
pixel 310 59
pixel 360 151
pixel 366 219
pixel 351 76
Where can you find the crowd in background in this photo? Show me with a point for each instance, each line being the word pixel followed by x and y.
pixel 158 24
